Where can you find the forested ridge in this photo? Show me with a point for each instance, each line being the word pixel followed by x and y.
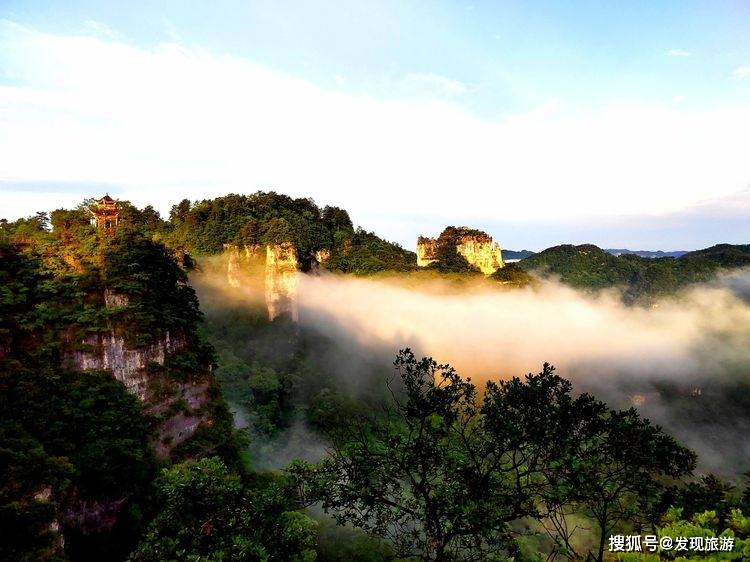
pixel 641 279
pixel 421 463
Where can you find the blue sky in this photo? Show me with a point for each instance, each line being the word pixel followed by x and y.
pixel 616 123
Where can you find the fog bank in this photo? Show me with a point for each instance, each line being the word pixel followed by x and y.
pixel 489 333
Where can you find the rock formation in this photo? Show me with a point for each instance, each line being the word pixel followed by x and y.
pixel 279 267
pixel 238 259
pixel 108 350
pixel 475 246
pixel 282 269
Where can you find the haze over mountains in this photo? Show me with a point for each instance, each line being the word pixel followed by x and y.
pixel 520 254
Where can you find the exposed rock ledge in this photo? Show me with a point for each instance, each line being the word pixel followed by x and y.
pixel 475 246
pixel 127 365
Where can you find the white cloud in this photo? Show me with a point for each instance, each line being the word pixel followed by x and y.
pixel 173 122
pixel 741 72
pixel 435 84
pixel 678 53
pixel 99 28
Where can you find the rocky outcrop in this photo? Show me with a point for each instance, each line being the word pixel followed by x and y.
pixel 277 267
pixel 237 257
pixel 109 351
pixel 182 415
pixel 486 255
pixel 426 251
pixel 475 246
pixel 92 516
pixel 282 269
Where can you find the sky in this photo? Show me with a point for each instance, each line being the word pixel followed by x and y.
pixel 619 124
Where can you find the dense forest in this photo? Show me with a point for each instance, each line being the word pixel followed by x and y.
pixel 139 459
pixel 641 279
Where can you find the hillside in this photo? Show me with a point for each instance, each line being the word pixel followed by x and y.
pixel 725 255
pixel 646 253
pixel 641 279
pixel 583 267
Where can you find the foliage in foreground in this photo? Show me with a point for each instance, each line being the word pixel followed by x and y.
pixel 443 473
pixel 707 525
pixel 206 513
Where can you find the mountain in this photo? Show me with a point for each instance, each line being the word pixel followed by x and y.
pixel 646 253
pixel 516 254
pixel 641 279
pixel 726 255
pixel 584 267
pixel 460 250
pixel 116 437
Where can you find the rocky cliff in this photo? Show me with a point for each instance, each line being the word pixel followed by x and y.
pixel 141 370
pixel 476 247
pixel 426 251
pixel 277 266
pixel 282 269
pixel 238 260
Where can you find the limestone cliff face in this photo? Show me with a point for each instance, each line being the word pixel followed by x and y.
pixel 282 269
pixel 237 257
pixel 179 426
pixel 109 351
pixel 486 255
pixel 475 246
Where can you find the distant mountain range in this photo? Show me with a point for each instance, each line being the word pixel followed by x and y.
pixel 516 254
pixel 646 253
pixel 523 254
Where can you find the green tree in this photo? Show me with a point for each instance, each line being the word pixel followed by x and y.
pixel 207 514
pixel 441 473
pixel 617 470
pixel 705 524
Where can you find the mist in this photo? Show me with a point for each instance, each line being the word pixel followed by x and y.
pixel 491 333
pixel 684 362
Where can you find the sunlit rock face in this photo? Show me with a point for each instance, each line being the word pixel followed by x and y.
pixel 476 246
pixel 282 269
pixel 426 251
pixel 237 259
pixel 485 255
pixel 108 351
pixel 276 267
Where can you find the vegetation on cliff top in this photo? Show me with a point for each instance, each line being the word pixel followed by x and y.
pixel 641 279
pixel 205 227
